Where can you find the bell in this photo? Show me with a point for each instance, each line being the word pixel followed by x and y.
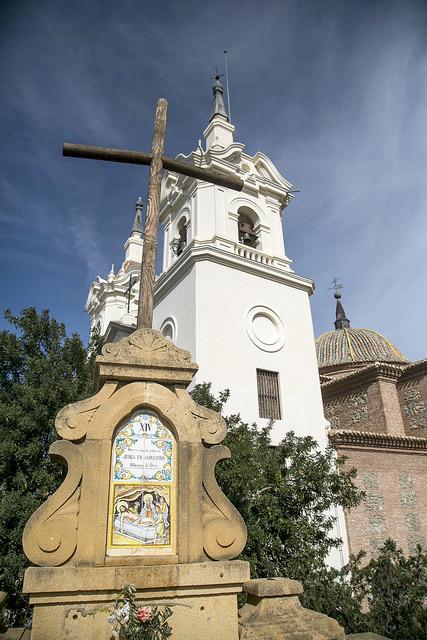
pixel 245 227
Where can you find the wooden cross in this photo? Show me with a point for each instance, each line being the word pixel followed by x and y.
pixel 157 163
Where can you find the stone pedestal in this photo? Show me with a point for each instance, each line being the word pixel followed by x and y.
pixel 273 612
pixel 74 603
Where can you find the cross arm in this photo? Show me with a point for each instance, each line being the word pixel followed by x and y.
pixel 139 157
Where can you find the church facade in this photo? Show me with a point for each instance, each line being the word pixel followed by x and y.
pixel 376 403
pixel 228 294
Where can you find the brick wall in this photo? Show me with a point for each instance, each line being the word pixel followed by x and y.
pixel 396 499
pixel 360 409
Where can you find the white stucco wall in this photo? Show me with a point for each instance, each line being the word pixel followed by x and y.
pixel 210 306
pixel 179 304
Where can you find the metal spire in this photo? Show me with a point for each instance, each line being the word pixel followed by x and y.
pixel 218 108
pixel 137 223
pixel 341 321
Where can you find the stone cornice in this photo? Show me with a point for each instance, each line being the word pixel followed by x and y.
pixel 102 289
pixel 145 354
pixel 273 184
pixel 364 375
pixel 367 439
pixel 324 379
pixel 261 159
pixel 414 370
pixel 199 252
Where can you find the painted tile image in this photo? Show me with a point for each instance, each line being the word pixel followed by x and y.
pixel 141 515
pixel 143 450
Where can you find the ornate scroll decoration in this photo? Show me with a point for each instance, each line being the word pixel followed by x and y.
pixel 358 406
pixel 145 345
pixel 224 530
pixel 50 536
pixel 73 420
pixel 210 424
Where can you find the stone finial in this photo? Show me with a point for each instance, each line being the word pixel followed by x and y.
pixel 218 108
pixel 341 322
pixel 137 223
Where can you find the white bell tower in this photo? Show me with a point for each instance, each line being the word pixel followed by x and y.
pixel 227 292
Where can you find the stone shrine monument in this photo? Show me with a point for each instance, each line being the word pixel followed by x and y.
pixel 140 504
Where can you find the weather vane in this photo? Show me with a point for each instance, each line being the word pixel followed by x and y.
pixel 336 286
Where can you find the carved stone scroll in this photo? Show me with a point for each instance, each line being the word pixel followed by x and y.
pixel 212 427
pixel 73 420
pixel 224 530
pixel 50 536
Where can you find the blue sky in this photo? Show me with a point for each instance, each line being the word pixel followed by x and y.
pixel 334 92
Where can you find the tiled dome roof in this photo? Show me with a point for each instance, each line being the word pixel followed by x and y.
pixel 347 346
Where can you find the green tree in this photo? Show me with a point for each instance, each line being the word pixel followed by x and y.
pixel 41 370
pixel 396 592
pixel 286 494
pixel 386 595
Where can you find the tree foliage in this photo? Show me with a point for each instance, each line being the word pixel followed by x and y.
pixel 41 370
pixel 286 495
pixel 387 595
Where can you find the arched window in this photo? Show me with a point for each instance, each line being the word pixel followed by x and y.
pixel 168 329
pixel 246 230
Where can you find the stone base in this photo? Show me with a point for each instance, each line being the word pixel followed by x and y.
pixel 274 612
pixel 74 602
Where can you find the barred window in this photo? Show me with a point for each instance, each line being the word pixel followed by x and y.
pixel 268 394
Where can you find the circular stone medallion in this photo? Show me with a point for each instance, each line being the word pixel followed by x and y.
pixel 265 328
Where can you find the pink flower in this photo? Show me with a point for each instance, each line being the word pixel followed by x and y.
pixel 144 614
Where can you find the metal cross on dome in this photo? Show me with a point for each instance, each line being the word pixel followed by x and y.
pixel 157 163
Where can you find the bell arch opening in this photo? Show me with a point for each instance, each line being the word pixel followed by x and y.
pixel 247 224
pixel 181 236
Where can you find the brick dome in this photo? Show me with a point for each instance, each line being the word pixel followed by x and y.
pixel 355 346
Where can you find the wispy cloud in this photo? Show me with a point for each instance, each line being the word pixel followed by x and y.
pixel 334 92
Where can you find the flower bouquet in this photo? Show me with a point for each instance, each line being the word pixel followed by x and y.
pixel 130 622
